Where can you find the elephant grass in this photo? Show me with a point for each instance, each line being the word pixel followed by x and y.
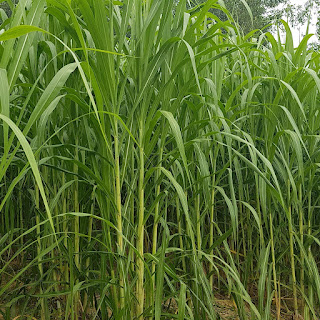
pixel 153 155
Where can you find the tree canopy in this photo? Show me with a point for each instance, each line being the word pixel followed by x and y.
pixel 5 10
pixel 263 12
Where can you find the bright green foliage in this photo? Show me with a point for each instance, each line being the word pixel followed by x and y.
pixel 152 154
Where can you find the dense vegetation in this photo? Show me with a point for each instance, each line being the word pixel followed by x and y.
pixel 264 13
pixel 154 161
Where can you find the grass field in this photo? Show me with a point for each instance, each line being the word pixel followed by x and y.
pixel 156 163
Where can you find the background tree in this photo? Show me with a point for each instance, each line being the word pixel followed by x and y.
pixel 5 10
pixel 303 16
pixel 264 12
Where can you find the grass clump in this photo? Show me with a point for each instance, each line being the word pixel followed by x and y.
pixel 156 163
